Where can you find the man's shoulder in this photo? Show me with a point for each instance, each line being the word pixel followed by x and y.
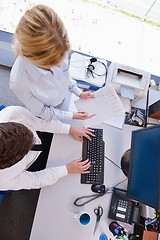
pixel 11 113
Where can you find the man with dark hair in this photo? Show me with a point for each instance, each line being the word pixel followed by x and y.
pixel 17 136
pixel 17 139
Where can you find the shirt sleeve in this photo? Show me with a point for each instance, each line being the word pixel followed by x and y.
pixel 24 116
pixel 74 88
pixel 39 179
pixel 72 83
pixel 52 125
pixel 36 106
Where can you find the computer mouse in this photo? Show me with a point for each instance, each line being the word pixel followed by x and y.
pixel 98 188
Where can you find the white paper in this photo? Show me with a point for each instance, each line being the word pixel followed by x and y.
pixel 106 105
pixel 127 92
pixel 126 104
pixel 78 69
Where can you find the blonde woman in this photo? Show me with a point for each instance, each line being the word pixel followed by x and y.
pixel 39 76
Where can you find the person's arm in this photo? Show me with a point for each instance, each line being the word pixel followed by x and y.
pixel 57 127
pixel 74 88
pixel 39 179
pixel 37 107
pixel 24 116
pixel 78 92
pixel 72 83
pixel 48 176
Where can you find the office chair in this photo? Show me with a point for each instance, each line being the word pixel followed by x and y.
pixel 3 194
pixel 1 107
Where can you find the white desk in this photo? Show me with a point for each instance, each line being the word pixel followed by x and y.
pixel 54 218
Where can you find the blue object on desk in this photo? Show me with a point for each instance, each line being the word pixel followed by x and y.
pixel 1 107
pixel 103 237
pixel 87 86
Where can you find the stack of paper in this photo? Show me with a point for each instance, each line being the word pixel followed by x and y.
pixel 106 105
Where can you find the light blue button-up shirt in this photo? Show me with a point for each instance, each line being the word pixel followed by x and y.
pixel 43 91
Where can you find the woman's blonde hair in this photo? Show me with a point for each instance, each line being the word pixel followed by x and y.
pixel 42 37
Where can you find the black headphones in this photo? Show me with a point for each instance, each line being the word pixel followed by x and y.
pixel 91 68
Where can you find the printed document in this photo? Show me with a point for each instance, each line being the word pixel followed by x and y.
pixel 106 105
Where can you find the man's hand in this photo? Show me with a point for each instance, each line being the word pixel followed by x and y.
pixel 78 166
pixel 79 132
pixel 82 115
pixel 86 95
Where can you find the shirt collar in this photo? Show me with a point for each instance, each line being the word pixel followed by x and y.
pixel 13 170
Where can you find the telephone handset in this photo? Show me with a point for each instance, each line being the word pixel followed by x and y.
pixel 122 208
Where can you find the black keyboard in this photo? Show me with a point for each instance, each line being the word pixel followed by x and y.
pixel 94 151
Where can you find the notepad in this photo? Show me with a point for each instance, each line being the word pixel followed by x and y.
pixel 106 105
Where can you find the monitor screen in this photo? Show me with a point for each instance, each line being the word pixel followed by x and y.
pixel 144 172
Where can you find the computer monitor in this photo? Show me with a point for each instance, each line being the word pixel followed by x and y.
pixel 144 169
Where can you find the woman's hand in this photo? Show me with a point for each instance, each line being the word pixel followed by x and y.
pixel 78 166
pixel 79 132
pixel 86 95
pixel 82 115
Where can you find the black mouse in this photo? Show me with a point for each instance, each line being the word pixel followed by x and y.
pixel 98 188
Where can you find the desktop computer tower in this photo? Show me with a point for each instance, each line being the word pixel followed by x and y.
pixel 154 110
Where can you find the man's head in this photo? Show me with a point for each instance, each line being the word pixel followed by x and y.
pixel 15 142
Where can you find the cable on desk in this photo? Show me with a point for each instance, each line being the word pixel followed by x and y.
pixel 90 197
pixel 95 196
pixel 113 162
pixel 120 182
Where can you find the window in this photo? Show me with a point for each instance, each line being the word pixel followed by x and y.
pixel 123 31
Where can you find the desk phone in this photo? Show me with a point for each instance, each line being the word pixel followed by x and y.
pixel 122 208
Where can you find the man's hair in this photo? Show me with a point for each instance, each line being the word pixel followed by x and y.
pixel 42 37
pixel 15 142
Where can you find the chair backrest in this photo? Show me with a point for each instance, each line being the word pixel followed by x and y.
pixel 1 107
pixel 4 194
